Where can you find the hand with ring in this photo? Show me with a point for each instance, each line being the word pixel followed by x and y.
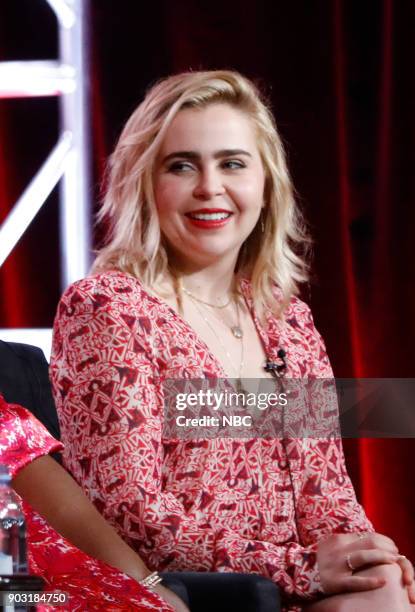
pixel 340 556
pixel 408 573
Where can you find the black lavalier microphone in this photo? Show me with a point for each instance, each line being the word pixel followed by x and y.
pixel 277 367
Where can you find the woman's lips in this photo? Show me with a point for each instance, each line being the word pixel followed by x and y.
pixel 209 218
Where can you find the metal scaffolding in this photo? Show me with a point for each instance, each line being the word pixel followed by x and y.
pixel 66 78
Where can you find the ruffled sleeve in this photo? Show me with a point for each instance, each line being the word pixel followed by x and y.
pixel 22 437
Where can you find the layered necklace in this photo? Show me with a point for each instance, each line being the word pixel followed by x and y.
pixel 235 329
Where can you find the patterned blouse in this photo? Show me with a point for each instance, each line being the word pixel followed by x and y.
pixel 64 567
pixel 231 505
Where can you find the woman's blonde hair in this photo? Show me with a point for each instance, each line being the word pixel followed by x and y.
pixel 270 256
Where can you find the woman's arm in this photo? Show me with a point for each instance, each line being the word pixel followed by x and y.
pixel 110 403
pixel 326 498
pixel 54 494
pixel 328 511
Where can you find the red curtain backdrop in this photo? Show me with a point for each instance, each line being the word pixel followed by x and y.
pixel 340 78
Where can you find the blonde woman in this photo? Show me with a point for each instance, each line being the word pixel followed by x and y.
pixel 198 279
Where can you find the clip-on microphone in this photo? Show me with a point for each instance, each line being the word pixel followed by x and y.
pixel 277 368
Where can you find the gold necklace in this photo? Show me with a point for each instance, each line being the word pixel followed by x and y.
pixel 225 350
pixel 236 330
pixel 191 295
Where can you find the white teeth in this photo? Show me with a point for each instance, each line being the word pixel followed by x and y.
pixel 210 216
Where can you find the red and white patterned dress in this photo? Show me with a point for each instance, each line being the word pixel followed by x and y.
pixel 91 584
pixel 221 504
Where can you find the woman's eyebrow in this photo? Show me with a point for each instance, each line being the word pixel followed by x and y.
pixel 230 153
pixel 196 156
pixel 182 154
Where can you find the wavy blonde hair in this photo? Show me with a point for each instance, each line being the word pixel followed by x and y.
pixel 134 244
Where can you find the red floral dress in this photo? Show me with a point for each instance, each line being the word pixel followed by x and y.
pixel 228 505
pixel 91 584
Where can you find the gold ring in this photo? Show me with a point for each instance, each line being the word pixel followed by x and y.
pixel 349 563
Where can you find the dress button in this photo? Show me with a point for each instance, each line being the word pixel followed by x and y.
pixel 282 464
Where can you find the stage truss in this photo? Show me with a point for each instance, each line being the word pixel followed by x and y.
pixel 67 162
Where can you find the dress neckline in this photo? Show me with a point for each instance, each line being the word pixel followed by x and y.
pixel 245 287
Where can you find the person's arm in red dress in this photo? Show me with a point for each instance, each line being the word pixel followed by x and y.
pixel 54 494
pixel 50 491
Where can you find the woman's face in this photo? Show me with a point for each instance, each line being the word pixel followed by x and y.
pixel 209 184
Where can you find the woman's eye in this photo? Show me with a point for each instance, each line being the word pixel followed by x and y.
pixel 233 164
pixel 180 166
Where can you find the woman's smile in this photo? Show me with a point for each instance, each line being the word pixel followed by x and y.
pixel 209 218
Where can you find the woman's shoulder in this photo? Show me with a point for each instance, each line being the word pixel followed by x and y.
pixel 101 289
pixel 296 313
pixel 15 419
pixel 107 291
pixel 110 282
pixel 11 414
pixel 22 437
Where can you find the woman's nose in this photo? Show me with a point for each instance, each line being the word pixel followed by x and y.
pixel 209 184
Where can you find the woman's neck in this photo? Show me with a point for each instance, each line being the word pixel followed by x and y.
pixel 211 283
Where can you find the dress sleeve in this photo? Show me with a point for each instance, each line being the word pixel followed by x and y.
pixel 292 566
pixel 22 438
pixel 326 498
pixel 109 400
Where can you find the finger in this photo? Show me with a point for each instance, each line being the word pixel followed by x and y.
pixel 407 570
pixel 361 583
pixel 372 540
pixel 378 540
pixel 411 593
pixel 363 558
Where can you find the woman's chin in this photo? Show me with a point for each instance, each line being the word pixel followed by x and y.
pixel 203 254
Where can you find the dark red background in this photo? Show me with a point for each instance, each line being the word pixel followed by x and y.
pixel 340 77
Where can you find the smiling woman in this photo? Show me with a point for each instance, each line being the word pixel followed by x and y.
pixel 223 114
pixel 198 279
pixel 209 186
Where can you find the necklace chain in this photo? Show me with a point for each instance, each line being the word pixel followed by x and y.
pixel 220 306
pixel 225 350
pixel 236 330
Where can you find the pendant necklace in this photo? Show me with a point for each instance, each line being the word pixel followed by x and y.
pixel 235 329
pixel 236 332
